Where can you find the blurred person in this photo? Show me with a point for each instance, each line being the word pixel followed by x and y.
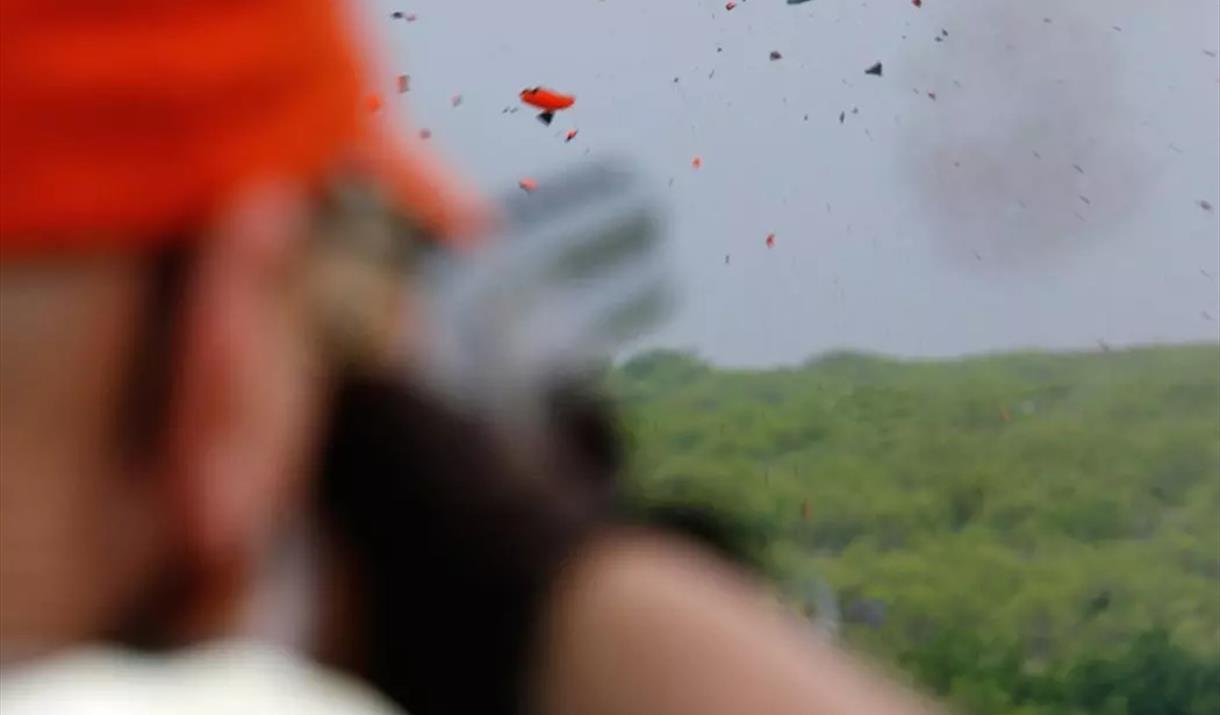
pixel 215 492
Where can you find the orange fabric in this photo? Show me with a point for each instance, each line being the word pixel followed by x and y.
pixel 433 195
pixel 132 118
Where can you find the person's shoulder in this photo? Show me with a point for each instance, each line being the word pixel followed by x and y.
pixel 228 678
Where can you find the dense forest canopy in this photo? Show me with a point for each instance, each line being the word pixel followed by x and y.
pixel 1027 533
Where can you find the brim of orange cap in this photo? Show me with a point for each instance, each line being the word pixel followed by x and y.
pixel 425 188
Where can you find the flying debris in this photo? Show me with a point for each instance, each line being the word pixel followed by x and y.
pixel 527 185
pixel 410 17
pixel 425 133
pixel 726 259
pixel 404 83
pixel 373 102
pixel 696 163
pixel 797 2
pixel 874 70
pixel 932 96
pixel 842 116
pixel 549 101
pixel 397 14
pixel 775 55
pixel 1205 204
pixel 770 240
pixel 570 135
pixel 917 3
pixel 455 100
pixel 730 5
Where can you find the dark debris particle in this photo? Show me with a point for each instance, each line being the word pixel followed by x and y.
pixel 1078 168
pixel 397 14
pixel 932 96
pixel 940 39
pixel 944 32
pixel 855 110
pixel 775 55
pixel 1085 199
pixel 874 70
pixel 1205 205
pixel 1209 53
pixel 842 116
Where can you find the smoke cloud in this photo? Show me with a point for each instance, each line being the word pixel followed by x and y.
pixel 1033 157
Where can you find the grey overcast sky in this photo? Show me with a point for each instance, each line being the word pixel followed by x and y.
pixel 1049 196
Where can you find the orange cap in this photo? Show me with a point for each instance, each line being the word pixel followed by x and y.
pixel 136 117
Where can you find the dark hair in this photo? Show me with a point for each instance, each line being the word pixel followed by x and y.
pixel 146 394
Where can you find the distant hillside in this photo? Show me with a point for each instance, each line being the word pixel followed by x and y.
pixel 1052 512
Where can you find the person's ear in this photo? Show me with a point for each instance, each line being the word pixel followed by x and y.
pixel 244 388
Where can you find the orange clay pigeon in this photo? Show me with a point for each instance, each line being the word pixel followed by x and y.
pixel 527 185
pixel 770 240
pixel 570 135
pixel 696 163
pixel 549 101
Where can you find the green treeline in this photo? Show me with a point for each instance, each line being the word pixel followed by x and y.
pixel 1029 533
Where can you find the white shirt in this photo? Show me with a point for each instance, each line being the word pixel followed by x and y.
pixel 226 678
